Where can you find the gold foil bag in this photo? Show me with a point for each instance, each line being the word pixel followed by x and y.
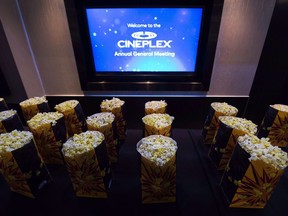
pixel 158 183
pixel 11 123
pixel 248 184
pixel 89 168
pixel 111 142
pixel 158 169
pixel 225 142
pixel 212 122
pixel 119 120
pixel 24 171
pixel 275 125
pixel 117 107
pixel 157 109
pixel 75 120
pixel 151 130
pixel 86 176
pixel 49 140
pixel 32 106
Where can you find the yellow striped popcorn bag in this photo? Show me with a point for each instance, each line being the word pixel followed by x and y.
pixel 49 132
pixel 103 122
pixel 253 172
pixel 229 130
pixel 9 121
pixel 158 169
pixel 32 106
pixel 212 122
pixel 21 165
pixel 117 107
pixel 155 107
pixel 87 163
pixel 157 124
pixel 75 119
pixel 275 125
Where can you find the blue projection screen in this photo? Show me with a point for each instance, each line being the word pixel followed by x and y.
pixel 144 39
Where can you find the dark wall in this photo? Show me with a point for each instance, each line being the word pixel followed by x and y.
pixel 270 85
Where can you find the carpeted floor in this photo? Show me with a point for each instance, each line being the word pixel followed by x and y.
pixel 198 192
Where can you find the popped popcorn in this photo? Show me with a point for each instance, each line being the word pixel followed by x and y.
pixel 158 120
pixel 44 118
pixel 14 140
pixel 111 104
pixel 280 107
pixel 82 142
pixel 155 104
pixel 100 119
pixel 66 105
pixel 239 123
pixel 261 149
pixel 224 108
pixel 157 148
pixel 7 114
pixel 33 101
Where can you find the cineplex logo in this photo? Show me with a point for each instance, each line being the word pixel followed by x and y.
pixel 143 40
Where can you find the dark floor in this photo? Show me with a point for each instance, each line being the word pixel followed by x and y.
pixel 197 188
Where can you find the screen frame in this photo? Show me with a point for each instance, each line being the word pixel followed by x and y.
pixel 144 81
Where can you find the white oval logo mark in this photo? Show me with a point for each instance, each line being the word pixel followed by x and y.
pixel 144 35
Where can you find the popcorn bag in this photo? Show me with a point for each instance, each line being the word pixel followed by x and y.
pixel 211 123
pixel 9 121
pixel 155 107
pixel 275 125
pixel 75 120
pixel 87 163
pixel 32 106
pixel 49 132
pixel 3 105
pixel 253 172
pixel 157 124
pixel 230 129
pixel 103 122
pixel 158 169
pixel 116 106
pixel 20 164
